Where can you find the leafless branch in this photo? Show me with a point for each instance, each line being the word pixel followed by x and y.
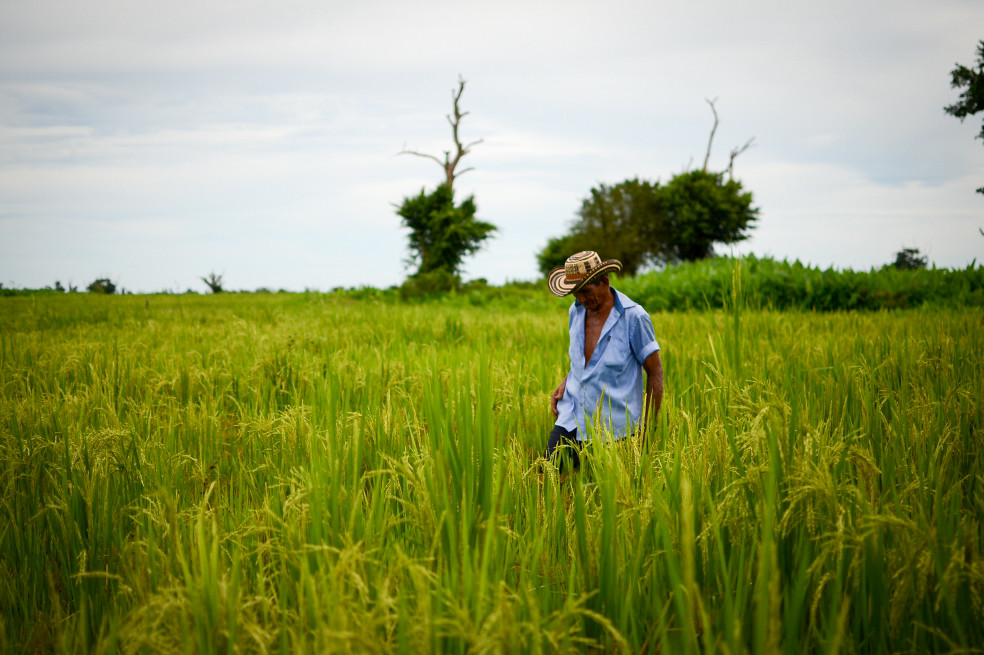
pixel 421 154
pixel 450 163
pixel 735 152
pixel 710 140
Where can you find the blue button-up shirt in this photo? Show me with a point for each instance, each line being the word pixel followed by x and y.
pixel 612 379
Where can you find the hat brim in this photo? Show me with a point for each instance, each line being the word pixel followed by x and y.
pixel 559 286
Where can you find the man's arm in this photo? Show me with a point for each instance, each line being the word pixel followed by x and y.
pixel 557 395
pixel 654 390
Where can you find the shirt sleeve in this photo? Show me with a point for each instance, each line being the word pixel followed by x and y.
pixel 642 338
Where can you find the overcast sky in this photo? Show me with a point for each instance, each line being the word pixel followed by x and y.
pixel 155 142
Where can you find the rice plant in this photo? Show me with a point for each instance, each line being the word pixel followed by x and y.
pixel 305 473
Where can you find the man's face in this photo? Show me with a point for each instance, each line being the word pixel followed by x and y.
pixel 593 296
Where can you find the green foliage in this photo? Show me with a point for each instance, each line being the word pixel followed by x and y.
pixel 558 249
pixel 972 98
pixel 768 283
pixel 909 259
pixel 428 284
pixel 57 289
pixel 213 282
pixel 242 473
pixel 442 234
pixel 708 284
pixel 507 297
pixel 10 291
pixel 623 222
pixel 639 222
pixel 702 209
pixel 102 285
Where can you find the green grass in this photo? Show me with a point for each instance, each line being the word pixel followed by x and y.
pixel 305 473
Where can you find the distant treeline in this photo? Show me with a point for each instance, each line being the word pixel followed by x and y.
pixel 7 291
pixel 711 284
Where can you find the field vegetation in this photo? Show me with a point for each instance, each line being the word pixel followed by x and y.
pixel 772 284
pixel 313 473
pixel 767 284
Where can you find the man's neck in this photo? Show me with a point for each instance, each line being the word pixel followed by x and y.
pixel 605 308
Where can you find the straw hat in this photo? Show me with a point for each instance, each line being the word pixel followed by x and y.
pixel 578 271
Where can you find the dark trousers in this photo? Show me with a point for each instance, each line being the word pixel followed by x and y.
pixel 564 448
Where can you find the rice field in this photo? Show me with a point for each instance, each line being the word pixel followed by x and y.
pixel 299 473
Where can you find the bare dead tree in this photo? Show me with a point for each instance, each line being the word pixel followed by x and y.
pixel 714 129
pixel 450 163
pixel 734 151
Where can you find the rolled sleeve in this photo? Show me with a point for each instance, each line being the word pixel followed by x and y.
pixel 642 337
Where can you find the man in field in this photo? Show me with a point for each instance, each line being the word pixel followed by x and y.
pixel 611 343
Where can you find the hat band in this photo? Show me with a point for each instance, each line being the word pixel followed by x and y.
pixel 574 277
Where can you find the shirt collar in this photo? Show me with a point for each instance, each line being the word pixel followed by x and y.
pixel 622 301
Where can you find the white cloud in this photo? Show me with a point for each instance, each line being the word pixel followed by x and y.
pixel 163 140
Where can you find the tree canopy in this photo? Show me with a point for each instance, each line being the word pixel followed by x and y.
pixel 640 222
pixel 909 259
pixel 700 209
pixel 442 234
pixel 623 217
pixel 972 99
pixel 102 285
pixel 558 249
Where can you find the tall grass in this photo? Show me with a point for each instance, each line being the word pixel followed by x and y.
pixel 300 473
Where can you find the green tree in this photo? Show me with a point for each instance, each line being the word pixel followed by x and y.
pixel 639 222
pixel 558 249
pixel 972 99
pixel 441 233
pixel 908 259
pixel 102 285
pixel 213 282
pixel 701 209
pixel 620 222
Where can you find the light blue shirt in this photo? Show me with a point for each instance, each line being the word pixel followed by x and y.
pixel 612 380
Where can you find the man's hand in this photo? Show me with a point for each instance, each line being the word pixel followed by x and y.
pixel 556 396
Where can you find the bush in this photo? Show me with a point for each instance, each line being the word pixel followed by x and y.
pixel 766 283
pixel 429 284
pixel 102 285
pixel 908 259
